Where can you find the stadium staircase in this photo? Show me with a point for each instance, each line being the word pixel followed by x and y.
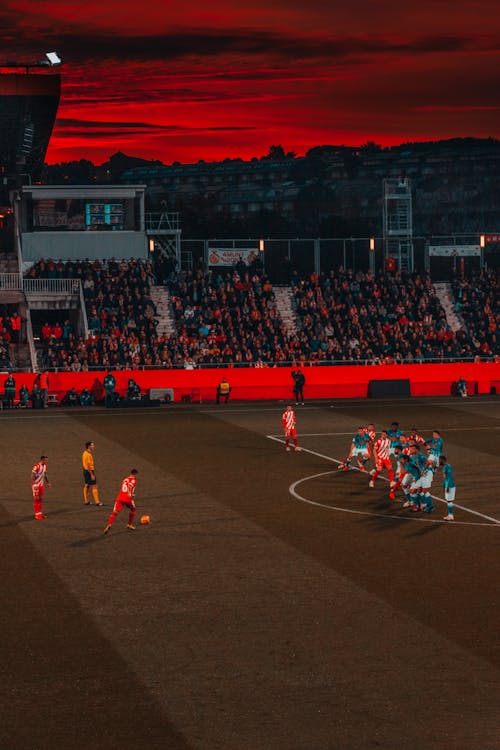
pixel 164 312
pixel 444 294
pixel 284 304
pixel 20 354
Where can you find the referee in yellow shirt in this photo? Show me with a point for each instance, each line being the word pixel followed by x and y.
pixel 89 478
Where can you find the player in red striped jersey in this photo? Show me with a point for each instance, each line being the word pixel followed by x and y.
pixel 125 499
pixel 39 480
pixel 370 431
pixel 289 422
pixel 381 450
pixel 415 436
pixel 399 450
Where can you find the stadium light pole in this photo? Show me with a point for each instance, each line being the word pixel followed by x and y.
pixel 53 58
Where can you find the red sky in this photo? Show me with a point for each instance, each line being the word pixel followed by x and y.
pixel 186 81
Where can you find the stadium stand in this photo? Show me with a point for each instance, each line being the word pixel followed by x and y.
pixel 478 302
pixel 120 316
pixel 227 319
pixel 374 318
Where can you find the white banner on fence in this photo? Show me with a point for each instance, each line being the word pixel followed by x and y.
pixel 220 256
pixel 454 251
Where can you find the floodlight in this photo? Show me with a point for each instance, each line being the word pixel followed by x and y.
pixel 53 58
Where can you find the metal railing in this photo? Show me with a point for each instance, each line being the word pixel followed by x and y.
pixel 10 282
pixel 52 286
pixel 300 363
pixel 13 282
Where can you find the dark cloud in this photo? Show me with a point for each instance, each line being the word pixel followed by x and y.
pixel 284 47
pixel 68 122
pixel 129 94
pixel 87 45
pixel 67 127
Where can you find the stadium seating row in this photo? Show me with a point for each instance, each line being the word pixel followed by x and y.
pixel 233 319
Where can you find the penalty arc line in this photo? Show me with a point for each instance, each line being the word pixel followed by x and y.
pixel 295 494
pixel 434 497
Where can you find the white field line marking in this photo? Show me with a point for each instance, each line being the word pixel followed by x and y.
pixel 434 497
pixel 460 402
pixel 295 494
pixel 18 417
pixel 363 403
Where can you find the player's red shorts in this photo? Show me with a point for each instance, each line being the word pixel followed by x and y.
pixel 119 504
pixel 384 463
pixel 38 490
pixel 291 433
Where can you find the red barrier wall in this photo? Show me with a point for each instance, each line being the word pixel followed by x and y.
pixel 350 381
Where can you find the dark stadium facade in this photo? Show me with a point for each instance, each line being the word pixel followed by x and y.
pixel 28 108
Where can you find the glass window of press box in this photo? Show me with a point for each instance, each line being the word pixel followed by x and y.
pixel 83 215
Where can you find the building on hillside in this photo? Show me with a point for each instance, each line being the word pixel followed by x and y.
pixel 455 187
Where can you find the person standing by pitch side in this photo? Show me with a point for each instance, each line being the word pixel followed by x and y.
pixel 89 477
pixel 299 382
pixel 109 388
pixel 223 391
pixel 44 387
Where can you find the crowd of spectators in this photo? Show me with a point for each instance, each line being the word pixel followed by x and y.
pixel 10 333
pixel 477 301
pixel 57 330
pixel 227 319
pixel 120 315
pixel 231 318
pixel 4 355
pixel 348 316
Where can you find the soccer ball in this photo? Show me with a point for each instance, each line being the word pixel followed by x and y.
pixel 145 519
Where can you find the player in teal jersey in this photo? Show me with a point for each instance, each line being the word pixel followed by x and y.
pixel 418 466
pixel 435 447
pixel 408 475
pixel 394 434
pixel 449 487
pixel 359 448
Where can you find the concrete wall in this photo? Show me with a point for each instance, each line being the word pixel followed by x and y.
pixel 77 245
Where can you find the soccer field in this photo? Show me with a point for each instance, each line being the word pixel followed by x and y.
pixel 273 603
